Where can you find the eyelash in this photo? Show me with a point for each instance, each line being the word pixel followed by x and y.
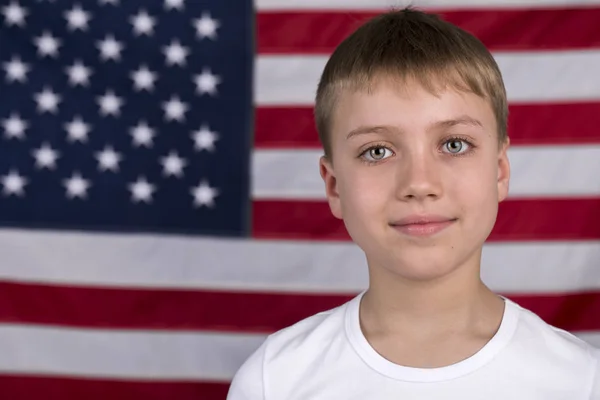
pixel 374 146
pixel 460 139
pixel 470 145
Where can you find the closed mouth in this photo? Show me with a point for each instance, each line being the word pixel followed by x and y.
pixel 423 226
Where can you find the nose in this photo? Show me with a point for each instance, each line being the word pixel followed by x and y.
pixel 419 178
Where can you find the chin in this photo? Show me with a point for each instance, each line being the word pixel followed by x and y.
pixel 422 264
pixel 423 271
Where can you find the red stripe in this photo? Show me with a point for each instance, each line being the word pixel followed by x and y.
pixel 508 30
pixel 532 124
pixel 93 307
pixel 157 309
pixel 574 312
pixel 249 312
pixel 43 387
pixel 518 219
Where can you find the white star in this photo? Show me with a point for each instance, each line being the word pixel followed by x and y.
pixel 141 190
pixel 15 127
pixel 108 159
pixel 47 101
pixel 16 70
pixel 47 45
pixel 113 2
pixel 204 195
pixel 77 18
pixel 206 27
pixel 110 104
pixel 77 130
pixel 45 157
pixel 79 74
pixel 143 24
pixel 13 184
pixel 175 109
pixel 76 186
pixel 173 164
pixel 177 4
pixel 206 82
pixel 143 78
pixel 14 14
pixel 175 53
pixel 204 138
pixel 142 134
pixel 110 49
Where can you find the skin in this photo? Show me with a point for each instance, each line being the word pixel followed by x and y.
pixel 413 152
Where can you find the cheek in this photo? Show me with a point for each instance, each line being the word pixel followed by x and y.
pixel 363 193
pixel 363 201
pixel 478 191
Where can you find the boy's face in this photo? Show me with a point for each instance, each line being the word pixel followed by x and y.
pixel 404 155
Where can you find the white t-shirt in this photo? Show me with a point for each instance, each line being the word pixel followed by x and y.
pixel 326 357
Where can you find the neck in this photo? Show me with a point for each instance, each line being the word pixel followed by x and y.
pixel 449 304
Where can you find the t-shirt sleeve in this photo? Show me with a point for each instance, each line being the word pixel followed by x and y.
pixel 596 379
pixel 248 382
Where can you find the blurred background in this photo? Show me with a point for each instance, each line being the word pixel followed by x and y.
pixel 161 209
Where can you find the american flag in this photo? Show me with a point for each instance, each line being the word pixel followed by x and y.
pixel 160 201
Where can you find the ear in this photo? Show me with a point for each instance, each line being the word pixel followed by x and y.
pixel 503 171
pixel 331 189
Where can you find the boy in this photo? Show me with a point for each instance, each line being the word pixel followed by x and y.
pixel 412 114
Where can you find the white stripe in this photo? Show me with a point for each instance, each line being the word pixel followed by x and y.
pixel 143 261
pixel 130 354
pixel 535 171
pixel 540 171
pixel 269 5
pixel 529 76
pixel 541 267
pixel 592 338
pixel 156 356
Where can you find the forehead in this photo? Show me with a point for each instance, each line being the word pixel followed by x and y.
pixel 408 105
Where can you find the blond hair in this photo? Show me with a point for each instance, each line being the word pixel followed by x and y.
pixel 410 44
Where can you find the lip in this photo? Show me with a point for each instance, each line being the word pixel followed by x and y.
pixel 422 225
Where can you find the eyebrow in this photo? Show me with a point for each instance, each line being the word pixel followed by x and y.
pixel 447 123
pixel 372 129
pixel 462 120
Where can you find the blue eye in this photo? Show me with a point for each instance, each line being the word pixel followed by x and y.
pixel 377 153
pixel 456 146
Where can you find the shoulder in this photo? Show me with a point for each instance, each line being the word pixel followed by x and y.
pixel 596 380
pixel 558 342
pixel 557 351
pixel 288 347
pixel 248 382
pixel 308 335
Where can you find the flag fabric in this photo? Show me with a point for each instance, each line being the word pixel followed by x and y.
pixel 161 209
